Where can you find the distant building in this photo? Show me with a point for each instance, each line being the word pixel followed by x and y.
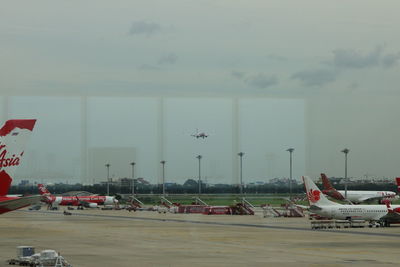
pixel 282 181
pixel 142 181
pixel 24 183
pixel 127 182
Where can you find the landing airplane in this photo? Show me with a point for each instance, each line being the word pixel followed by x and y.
pixel 353 195
pixel 320 205
pixel 86 201
pixel 13 137
pixel 199 134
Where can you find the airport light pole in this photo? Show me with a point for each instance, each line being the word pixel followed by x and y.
pixel 241 154
pixel 290 150
pixel 163 177
pixel 133 178
pixel 199 180
pixel 345 151
pixel 108 178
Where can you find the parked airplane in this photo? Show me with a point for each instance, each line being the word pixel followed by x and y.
pixel 354 196
pixel 320 205
pixel 86 201
pixel 13 137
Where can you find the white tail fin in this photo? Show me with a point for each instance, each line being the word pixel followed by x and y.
pixel 13 137
pixel 314 195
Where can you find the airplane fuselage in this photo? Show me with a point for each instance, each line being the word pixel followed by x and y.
pixel 77 200
pixel 360 196
pixel 355 212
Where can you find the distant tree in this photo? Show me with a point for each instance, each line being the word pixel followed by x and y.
pixel 190 183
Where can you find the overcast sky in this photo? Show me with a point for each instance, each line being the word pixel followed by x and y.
pixel 309 54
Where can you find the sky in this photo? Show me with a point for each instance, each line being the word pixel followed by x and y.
pixel 329 69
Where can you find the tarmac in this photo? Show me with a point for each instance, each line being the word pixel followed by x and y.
pixel 93 238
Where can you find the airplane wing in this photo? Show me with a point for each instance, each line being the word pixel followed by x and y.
pixel 370 199
pixel 13 204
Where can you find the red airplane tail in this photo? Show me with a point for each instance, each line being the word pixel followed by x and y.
pixel 329 189
pixel 5 183
pixel 326 183
pixel 398 183
pixel 43 190
pixel 13 137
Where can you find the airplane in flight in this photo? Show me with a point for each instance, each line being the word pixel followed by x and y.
pixel 319 204
pixel 85 201
pixel 13 136
pixel 354 196
pixel 198 134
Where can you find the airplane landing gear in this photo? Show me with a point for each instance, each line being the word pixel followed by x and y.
pixel 384 223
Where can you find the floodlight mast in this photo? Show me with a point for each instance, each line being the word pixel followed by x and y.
pixel 241 154
pixel 290 150
pixel 345 151
pixel 199 179
pixel 108 178
pixel 133 178
pixel 163 176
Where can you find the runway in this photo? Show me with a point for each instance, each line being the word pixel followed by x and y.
pixel 121 238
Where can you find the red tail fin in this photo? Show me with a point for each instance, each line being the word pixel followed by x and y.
pixel 329 189
pixel 43 190
pixel 326 183
pixel 13 137
pixel 5 183
pixel 398 183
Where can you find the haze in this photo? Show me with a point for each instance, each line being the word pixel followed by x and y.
pixel 258 76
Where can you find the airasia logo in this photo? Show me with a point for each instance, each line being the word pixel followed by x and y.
pixel 8 161
pixel 314 195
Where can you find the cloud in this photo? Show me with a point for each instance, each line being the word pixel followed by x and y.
pixel 144 28
pixel 276 57
pixel 261 81
pixel 345 60
pixel 168 59
pixel 316 77
pixel 148 67
pixel 238 74
pixel 390 60
pixel 353 59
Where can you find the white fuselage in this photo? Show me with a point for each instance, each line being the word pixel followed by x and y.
pixel 360 196
pixel 67 200
pixel 357 212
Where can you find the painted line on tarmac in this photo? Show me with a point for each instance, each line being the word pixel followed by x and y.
pixel 224 224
